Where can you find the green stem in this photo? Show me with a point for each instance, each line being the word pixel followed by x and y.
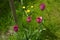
pixel 13 10
pixel 21 2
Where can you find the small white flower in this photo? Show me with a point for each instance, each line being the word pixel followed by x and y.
pixel 32 6
pixel 23 7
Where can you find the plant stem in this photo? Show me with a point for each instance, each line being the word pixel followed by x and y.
pixel 21 2
pixel 13 10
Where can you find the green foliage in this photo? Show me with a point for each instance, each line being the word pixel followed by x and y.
pixel 33 30
pixel 6 18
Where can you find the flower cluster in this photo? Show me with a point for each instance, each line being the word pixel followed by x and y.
pixel 29 18
pixel 38 19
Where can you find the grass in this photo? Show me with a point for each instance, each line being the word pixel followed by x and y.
pixel 51 19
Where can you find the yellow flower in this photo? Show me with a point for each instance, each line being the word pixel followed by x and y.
pixel 23 7
pixel 27 11
pixel 32 6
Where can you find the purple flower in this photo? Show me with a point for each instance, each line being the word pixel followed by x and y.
pixel 42 6
pixel 39 19
pixel 16 28
pixel 28 19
